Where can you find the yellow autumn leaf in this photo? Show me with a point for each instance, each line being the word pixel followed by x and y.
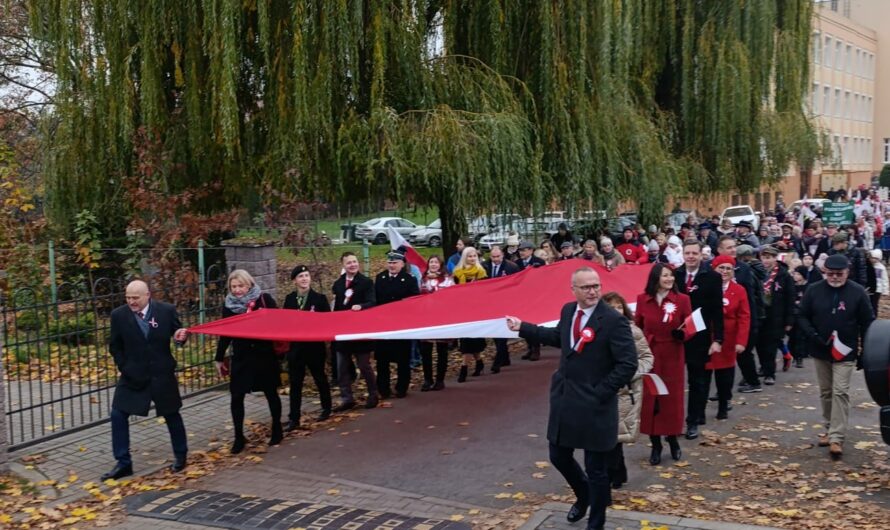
pixel 725 473
pixel 542 465
pixel 5 518
pixel 787 513
pixel 70 520
pixel 333 491
pixel 640 502
pixel 72 478
pixel 502 496
pixel 665 475
pixel 519 495
pixel 697 498
pixel 682 464
pixel 456 517
pixel 619 507
pixel 474 511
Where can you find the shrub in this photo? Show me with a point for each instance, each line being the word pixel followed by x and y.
pixel 74 330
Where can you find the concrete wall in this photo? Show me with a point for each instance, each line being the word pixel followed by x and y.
pixel 257 259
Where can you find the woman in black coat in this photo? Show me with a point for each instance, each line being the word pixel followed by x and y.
pixel 306 354
pixel 254 365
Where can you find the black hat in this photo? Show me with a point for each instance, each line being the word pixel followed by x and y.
pixel 566 244
pixel 687 226
pixel 705 226
pixel 299 269
pixel 562 226
pixel 837 262
pixel 395 256
pixel 802 270
pixel 745 224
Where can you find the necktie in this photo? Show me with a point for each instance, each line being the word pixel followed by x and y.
pixel 140 315
pixel 576 329
pixel 494 271
pixel 348 283
pixel 689 279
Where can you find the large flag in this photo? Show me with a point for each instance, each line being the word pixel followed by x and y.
pixel 839 350
pixel 693 324
pixel 397 242
pixel 470 310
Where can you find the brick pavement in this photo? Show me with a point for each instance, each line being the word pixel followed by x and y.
pixel 552 516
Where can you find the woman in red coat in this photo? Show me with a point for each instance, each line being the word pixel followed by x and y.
pixel 736 322
pixel 660 312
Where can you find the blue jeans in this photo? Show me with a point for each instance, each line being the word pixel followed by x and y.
pixel 120 436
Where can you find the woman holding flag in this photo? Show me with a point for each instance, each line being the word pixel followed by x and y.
pixel 736 324
pixel 661 311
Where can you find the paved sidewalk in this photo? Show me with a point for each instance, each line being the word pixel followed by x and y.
pixel 552 516
pixel 87 454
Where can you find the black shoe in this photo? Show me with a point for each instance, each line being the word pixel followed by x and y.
pixel 769 380
pixel 462 376
pixel 527 356
pixel 749 389
pixel 798 363
pixel 323 415
pixel 722 414
pixel 761 373
pixel 344 406
pixel 427 386
pixel 478 369
pixel 385 394
pixel 495 369
pixel 238 446
pixel 655 455
pixel 676 452
pixel 506 363
pixel 277 434
pixel 402 394
pixel 535 355
pixel 440 385
pixel 371 403
pixel 713 398
pixel 691 432
pixel 617 485
pixel 702 421
pixel 292 425
pixel 577 512
pixel 119 471
pixel 178 465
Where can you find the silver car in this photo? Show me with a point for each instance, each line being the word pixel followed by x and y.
pixel 374 230
pixel 431 235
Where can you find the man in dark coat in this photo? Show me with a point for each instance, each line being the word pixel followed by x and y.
pixel 840 244
pixel 561 236
pixel 528 260
pixel 834 316
pixel 392 285
pixel 353 291
pixel 140 344
pixel 705 290
pixel 598 357
pixel 778 305
pixel 495 267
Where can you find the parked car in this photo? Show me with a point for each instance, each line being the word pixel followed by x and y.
pixel 743 212
pixel 374 230
pixel 814 204
pixel 430 235
pixel 595 228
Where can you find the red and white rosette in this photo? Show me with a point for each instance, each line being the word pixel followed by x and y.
pixel 587 335
pixel 669 309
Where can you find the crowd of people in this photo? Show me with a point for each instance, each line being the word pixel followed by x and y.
pixel 793 289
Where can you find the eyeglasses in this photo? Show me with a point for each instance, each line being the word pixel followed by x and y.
pixel 591 287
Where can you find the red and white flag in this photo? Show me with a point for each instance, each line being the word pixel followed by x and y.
pixel 396 241
pixel 839 350
pixel 693 324
pixel 654 385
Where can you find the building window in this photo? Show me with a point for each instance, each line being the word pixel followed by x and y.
pixel 887 150
pixel 845 150
pixel 836 148
pixel 848 59
pixel 838 55
pixel 814 104
pixel 857 109
pixel 846 113
pixel 826 100
pixel 837 103
pixel 817 48
pixel 828 56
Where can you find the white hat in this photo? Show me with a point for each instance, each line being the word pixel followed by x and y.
pixel 877 254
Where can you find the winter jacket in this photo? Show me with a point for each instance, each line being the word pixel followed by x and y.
pixel 630 397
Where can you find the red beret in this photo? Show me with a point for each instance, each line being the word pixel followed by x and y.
pixel 720 260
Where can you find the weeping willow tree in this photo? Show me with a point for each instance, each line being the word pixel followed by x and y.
pixel 471 106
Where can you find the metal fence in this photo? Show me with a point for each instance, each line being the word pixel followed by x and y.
pixel 59 375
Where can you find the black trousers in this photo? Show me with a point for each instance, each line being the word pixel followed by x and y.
pixel 591 485
pixel 768 344
pixel 502 355
pixel 237 408
pixel 745 360
pixel 617 467
pixel 426 357
pixel 393 351
pixel 699 381
pixel 296 371
pixel 723 379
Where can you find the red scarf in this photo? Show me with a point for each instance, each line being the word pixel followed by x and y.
pixel 767 286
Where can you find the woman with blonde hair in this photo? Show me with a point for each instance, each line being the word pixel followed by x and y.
pixel 469 270
pixel 630 397
pixel 254 365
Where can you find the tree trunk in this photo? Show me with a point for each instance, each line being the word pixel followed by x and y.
pixel 453 225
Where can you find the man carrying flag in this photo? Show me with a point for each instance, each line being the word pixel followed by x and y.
pixel 834 316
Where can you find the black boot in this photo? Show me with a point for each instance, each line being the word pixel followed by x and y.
pixel 655 457
pixel 676 452
pixel 427 386
pixel 440 385
pixel 723 410
pixel 277 433
pixel 238 445
pixel 478 370
pixel 462 376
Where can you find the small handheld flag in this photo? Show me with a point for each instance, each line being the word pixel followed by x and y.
pixel 839 350
pixel 396 241
pixel 694 323
pixel 654 384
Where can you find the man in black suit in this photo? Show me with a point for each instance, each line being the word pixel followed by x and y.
pixel 392 285
pixel 599 357
pixel 353 291
pixel 140 345
pixel 528 260
pixel 495 267
pixel 705 290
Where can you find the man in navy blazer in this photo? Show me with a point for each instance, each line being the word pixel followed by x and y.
pixel 598 358
pixel 140 344
pixel 496 267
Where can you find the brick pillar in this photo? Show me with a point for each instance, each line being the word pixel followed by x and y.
pixel 256 258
